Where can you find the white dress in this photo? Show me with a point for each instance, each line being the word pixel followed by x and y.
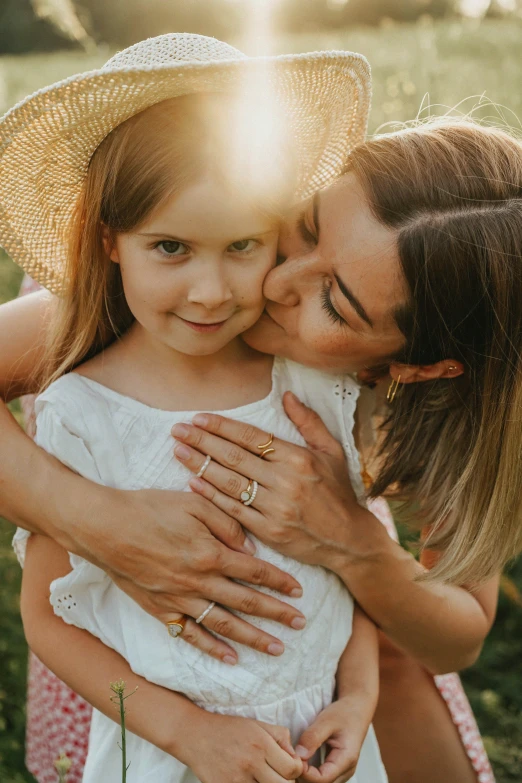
pixel 120 442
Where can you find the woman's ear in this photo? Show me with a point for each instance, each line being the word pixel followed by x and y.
pixel 109 245
pixel 413 373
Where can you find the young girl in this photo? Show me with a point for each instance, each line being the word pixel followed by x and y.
pixel 171 240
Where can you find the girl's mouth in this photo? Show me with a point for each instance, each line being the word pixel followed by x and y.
pixel 205 328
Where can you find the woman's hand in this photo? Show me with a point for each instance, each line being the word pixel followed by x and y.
pixel 181 553
pixel 229 749
pixel 305 505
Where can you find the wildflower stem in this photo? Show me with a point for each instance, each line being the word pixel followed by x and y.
pixel 118 688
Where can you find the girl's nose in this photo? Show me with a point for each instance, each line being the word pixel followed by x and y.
pixel 210 289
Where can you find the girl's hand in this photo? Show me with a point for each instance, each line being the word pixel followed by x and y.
pixel 229 749
pixel 343 727
pixel 305 505
pixel 179 556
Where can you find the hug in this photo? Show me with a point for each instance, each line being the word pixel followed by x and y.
pixel 245 341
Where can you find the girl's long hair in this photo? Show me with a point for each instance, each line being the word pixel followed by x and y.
pixel 452 191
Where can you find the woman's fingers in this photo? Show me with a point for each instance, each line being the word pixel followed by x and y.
pixel 224 623
pixel 228 453
pixel 310 425
pixel 244 599
pixel 225 528
pixel 246 515
pixel 197 636
pixel 224 479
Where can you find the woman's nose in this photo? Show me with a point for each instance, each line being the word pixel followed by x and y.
pixel 283 284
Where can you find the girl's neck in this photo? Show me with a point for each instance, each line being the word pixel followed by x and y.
pixel 141 367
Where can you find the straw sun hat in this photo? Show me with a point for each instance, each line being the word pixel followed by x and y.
pixel 47 140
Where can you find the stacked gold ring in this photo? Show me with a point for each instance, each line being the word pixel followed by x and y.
pixel 265 447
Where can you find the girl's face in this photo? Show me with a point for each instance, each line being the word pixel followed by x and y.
pixel 331 303
pixel 193 272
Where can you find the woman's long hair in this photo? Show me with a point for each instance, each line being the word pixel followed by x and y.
pixel 452 191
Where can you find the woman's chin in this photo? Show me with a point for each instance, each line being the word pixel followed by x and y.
pixel 264 336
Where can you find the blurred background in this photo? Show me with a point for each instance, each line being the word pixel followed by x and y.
pixel 426 56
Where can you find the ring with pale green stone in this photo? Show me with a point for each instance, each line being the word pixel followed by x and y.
pixel 176 627
pixel 206 612
pixel 249 495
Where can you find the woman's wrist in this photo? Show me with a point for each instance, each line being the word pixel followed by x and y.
pixel 364 543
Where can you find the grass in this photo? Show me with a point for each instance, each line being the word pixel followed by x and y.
pixel 449 62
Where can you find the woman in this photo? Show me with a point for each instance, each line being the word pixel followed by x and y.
pixel 419 196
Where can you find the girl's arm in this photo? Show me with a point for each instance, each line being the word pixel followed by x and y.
pixel 219 747
pixel 344 724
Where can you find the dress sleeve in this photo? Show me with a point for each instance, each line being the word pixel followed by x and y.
pixel 59 434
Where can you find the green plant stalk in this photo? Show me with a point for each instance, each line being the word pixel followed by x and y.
pixel 118 688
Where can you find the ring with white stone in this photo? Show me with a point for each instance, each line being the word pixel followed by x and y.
pixel 251 492
pixel 204 466
pixel 206 612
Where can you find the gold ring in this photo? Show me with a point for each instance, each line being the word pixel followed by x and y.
pixel 176 627
pixel 266 445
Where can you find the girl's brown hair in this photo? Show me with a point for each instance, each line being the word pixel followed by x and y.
pixel 139 165
pixel 453 193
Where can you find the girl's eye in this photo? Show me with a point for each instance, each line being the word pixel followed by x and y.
pixel 243 245
pixel 172 248
pixel 328 307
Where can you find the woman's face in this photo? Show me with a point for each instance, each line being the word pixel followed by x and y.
pixel 331 303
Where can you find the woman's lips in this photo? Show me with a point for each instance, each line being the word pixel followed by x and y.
pixel 205 328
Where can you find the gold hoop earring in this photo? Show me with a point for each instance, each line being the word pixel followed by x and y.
pixel 393 389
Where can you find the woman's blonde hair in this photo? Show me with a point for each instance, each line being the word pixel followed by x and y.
pixel 139 165
pixel 453 193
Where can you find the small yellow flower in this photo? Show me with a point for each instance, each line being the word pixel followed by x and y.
pixel 62 765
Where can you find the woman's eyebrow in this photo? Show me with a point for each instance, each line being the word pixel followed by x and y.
pixel 355 303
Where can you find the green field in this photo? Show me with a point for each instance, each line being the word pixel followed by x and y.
pixel 437 65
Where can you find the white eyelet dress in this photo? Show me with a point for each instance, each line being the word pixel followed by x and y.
pixel 117 441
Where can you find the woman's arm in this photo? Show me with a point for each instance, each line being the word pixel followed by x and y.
pixel 306 508
pixel 218 746
pixel 178 556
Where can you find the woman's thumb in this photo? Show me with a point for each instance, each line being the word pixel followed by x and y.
pixel 310 425
pixel 313 737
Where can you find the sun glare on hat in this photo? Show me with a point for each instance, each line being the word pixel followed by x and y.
pixel 261 128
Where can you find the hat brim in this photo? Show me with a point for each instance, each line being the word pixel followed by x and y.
pixel 47 141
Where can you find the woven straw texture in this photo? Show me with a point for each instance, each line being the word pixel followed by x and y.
pixel 47 141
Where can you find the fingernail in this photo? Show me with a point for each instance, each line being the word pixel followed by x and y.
pixel 298 623
pixel 249 547
pixel 180 431
pixel 183 452
pixel 230 660
pixel 302 752
pixel 297 592
pixel 196 483
pixel 200 420
pixel 276 648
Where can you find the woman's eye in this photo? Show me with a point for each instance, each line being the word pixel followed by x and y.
pixel 172 248
pixel 243 245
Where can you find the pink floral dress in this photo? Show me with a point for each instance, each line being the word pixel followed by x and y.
pixel 58 720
